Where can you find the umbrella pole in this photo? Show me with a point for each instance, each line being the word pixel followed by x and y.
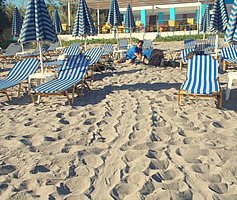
pixel 60 42
pixel 41 57
pixel 85 42
pixel 216 44
pixel 130 36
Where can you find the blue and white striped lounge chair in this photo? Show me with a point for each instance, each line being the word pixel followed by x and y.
pixel 72 50
pixel 34 53
pixel 107 49
pixel 10 53
pixel 202 78
pixel 189 44
pixel 146 45
pixel 71 73
pixel 18 73
pixel 122 48
pixel 94 54
pixel 229 56
pixel 184 59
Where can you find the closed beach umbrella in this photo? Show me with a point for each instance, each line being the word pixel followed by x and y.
pixel 83 25
pixel 16 23
pixel 114 17
pixel 57 24
pixel 129 20
pixel 219 19
pixel 37 26
pixel 231 30
pixel 205 22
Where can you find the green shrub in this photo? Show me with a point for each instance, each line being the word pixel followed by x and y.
pixel 95 41
pixel 182 37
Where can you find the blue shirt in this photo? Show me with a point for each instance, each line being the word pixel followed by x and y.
pixel 131 52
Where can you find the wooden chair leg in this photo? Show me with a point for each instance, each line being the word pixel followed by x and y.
pixel 181 65
pixel 33 98
pixel 73 91
pixel 220 100
pixel 5 92
pixel 19 91
pixel 224 66
pixel 68 99
pixel 179 98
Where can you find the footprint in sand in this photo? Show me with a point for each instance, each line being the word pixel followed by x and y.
pixel 159 164
pixel 6 169
pixel 213 178
pixel 185 195
pixel 121 190
pixel 147 188
pixel 220 188
pixel 39 169
pixel 201 168
pixel 224 197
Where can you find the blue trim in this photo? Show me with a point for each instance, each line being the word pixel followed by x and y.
pixel 143 17
pixel 229 1
pixel 160 17
pixel 172 13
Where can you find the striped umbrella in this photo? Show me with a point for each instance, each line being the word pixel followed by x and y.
pixel 83 25
pixel 16 23
pixel 231 30
pixel 57 24
pixel 205 22
pixel 37 26
pixel 114 17
pixel 129 21
pixel 219 17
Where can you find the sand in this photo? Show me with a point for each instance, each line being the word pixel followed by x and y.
pixel 126 139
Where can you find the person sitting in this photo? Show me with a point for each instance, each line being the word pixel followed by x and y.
pixel 135 52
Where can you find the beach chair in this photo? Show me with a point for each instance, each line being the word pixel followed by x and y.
pixel 9 54
pixel 94 54
pixel 121 48
pixel 202 79
pixel 70 74
pixel 184 59
pixel 34 53
pixel 229 57
pixel 107 49
pixel 147 45
pixel 52 50
pixel 72 50
pixel 189 44
pixel 18 73
pixel 107 56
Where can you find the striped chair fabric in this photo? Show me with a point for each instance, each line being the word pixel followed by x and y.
pixel 229 54
pixel 202 75
pixel 72 50
pixel 19 72
pixel 12 49
pixel 36 52
pixel 184 54
pixel 189 44
pixel 147 45
pixel 107 49
pixel 94 54
pixel 70 73
pixel 123 44
pixel 201 44
pixel 212 40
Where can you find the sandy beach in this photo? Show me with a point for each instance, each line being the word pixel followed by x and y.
pixel 126 140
